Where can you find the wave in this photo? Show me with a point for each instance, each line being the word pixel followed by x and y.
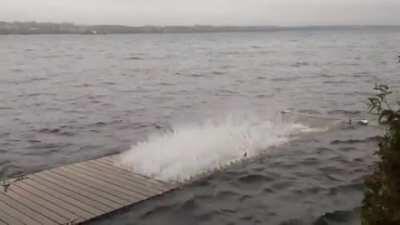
pixel 184 152
pixel 350 217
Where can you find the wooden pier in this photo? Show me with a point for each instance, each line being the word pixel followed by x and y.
pixel 80 192
pixel 74 194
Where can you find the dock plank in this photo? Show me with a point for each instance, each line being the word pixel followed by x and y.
pixel 60 194
pixel 114 175
pixel 6 215
pixel 127 175
pixel 69 209
pixel 2 222
pixel 29 209
pixel 97 185
pixel 52 210
pixel 97 180
pixel 16 214
pixel 88 186
pixel 75 193
pixel 102 197
pixel 113 162
pixel 111 178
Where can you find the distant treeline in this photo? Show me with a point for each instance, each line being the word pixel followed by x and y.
pixel 70 28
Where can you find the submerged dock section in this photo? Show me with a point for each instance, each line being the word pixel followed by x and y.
pixel 74 194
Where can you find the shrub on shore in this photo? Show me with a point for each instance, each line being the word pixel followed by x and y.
pixel 381 204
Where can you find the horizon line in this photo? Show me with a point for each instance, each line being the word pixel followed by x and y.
pixel 205 25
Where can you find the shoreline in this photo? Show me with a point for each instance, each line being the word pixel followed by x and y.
pixel 36 28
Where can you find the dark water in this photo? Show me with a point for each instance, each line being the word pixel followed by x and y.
pixel 69 98
pixel 310 181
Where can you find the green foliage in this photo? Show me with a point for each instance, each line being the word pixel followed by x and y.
pixel 378 104
pixel 4 183
pixel 381 205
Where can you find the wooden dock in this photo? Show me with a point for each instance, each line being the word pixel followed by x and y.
pixel 74 194
pixel 80 192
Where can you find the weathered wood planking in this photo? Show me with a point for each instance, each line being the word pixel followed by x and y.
pixel 83 191
pixel 75 193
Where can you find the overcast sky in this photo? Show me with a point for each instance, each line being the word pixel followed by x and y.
pixel 214 12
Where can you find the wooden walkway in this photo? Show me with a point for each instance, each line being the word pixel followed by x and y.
pixel 80 192
pixel 74 194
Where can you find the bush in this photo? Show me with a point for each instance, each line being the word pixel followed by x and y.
pixel 381 204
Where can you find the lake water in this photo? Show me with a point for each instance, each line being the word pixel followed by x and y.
pixel 68 98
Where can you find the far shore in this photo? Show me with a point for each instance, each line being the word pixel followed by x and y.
pixel 29 28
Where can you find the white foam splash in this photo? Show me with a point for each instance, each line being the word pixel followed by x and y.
pixel 188 151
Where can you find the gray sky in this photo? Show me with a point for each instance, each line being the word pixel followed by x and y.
pixel 214 12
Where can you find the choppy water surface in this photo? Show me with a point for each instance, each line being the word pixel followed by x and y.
pixel 65 99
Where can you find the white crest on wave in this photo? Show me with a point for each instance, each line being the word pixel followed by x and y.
pixel 191 150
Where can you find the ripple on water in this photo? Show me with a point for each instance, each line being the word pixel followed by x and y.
pixel 374 139
pixel 134 58
pixel 284 79
pixel 4 162
pixel 350 217
pixel 55 131
pixel 227 194
pixel 292 222
pixel 218 73
pixel 254 179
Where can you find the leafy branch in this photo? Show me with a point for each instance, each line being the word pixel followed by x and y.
pixel 6 182
pixel 381 204
pixel 378 104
